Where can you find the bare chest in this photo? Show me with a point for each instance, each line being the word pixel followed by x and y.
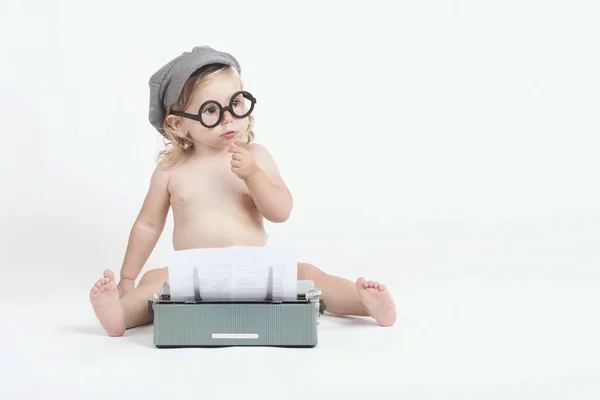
pixel 209 185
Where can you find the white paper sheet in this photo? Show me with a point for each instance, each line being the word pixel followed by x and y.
pixel 238 273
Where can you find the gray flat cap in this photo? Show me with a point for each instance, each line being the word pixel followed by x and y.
pixel 167 83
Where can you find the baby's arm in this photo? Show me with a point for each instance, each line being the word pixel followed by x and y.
pixel 270 193
pixel 148 226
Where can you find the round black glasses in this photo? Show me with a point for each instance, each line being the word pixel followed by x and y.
pixel 211 112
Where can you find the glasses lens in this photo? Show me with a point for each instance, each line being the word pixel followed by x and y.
pixel 210 113
pixel 241 105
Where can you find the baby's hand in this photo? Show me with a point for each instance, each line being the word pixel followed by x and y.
pixel 243 163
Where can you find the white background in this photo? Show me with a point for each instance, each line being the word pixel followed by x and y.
pixel 450 149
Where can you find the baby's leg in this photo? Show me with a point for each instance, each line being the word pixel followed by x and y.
pixel 345 297
pixel 135 303
pixel 116 315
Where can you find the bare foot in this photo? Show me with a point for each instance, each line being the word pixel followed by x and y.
pixel 107 306
pixel 378 301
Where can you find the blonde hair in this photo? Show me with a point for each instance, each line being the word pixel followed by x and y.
pixel 176 147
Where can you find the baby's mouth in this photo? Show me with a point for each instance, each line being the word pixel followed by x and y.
pixel 229 135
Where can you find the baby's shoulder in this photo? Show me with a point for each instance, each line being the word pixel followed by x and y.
pixel 168 171
pixel 258 150
pixel 164 170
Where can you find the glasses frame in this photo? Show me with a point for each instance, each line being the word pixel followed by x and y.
pixel 222 109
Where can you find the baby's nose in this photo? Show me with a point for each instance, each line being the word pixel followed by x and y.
pixel 227 117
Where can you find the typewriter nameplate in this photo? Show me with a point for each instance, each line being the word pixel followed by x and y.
pixel 235 335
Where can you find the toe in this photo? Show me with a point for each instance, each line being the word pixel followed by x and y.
pixel 109 274
pixel 371 283
pixel 361 283
pixel 381 287
pixel 376 285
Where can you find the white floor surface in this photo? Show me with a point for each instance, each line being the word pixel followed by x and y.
pixel 517 322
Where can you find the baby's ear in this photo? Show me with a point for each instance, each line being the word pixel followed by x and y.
pixel 176 124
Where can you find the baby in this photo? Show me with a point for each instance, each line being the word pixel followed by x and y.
pixel 220 185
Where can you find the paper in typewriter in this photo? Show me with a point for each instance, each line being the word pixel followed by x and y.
pixel 238 273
